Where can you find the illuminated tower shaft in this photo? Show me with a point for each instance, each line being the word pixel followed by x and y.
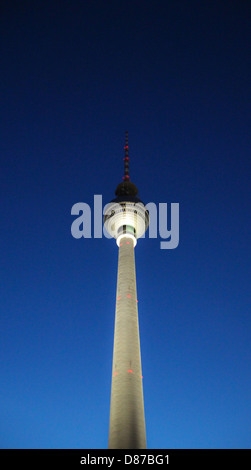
pixel 127 419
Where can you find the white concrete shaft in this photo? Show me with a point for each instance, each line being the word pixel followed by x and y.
pixel 127 418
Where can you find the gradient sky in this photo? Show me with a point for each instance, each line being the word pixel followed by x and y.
pixel 74 75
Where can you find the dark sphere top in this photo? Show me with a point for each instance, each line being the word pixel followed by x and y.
pixel 127 191
pixel 126 188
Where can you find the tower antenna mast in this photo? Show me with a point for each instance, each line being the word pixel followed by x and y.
pixel 126 159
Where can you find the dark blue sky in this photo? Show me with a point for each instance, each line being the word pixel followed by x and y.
pixel 75 75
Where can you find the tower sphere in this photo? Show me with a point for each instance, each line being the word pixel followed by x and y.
pixel 126 215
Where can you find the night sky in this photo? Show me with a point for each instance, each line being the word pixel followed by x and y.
pixel 74 75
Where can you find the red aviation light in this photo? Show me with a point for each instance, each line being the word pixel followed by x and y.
pixel 129 295
pixel 130 370
pixel 128 243
pixel 115 373
pixel 118 298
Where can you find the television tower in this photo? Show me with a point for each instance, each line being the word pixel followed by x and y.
pixel 126 219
